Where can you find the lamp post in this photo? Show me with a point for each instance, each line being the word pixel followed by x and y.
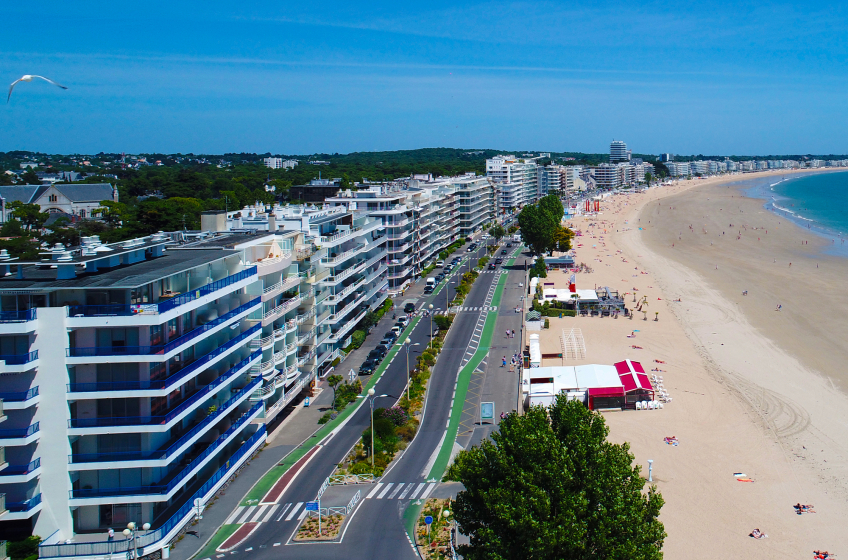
pixel 130 534
pixel 407 343
pixel 430 342
pixel 371 396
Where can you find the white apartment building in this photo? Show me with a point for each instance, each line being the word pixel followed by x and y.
pixel 549 179
pixel 504 169
pixel 619 152
pixel 280 163
pixel 607 176
pixel 130 386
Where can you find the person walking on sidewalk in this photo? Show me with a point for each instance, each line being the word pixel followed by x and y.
pixel 504 362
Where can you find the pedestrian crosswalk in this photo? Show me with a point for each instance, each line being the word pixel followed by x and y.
pixel 266 513
pixel 456 309
pixel 401 490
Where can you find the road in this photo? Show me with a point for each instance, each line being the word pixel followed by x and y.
pixel 375 529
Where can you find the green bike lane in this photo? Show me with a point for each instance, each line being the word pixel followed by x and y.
pixel 440 465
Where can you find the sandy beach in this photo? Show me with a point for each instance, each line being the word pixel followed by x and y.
pixel 754 390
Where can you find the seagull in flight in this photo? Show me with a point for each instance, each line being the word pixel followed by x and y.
pixel 28 78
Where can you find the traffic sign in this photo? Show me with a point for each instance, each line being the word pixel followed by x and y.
pixel 311 506
pixel 487 412
pixel 428 519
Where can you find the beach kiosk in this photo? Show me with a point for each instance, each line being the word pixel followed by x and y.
pixel 535 351
pixel 637 386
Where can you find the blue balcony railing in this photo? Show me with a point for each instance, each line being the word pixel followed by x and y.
pixel 20 469
pixel 121 310
pixel 152 420
pixel 24 506
pixel 170 381
pixel 179 478
pixel 171 449
pixel 17 316
pixel 21 432
pixel 20 396
pixel 161 348
pixel 19 359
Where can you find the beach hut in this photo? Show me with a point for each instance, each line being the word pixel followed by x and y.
pixel 637 386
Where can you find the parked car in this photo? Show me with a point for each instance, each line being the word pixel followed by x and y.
pixel 440 264
pixel 403 320
pixel 382 349
pixel 429 290
pixel 391 335
pixel 368 366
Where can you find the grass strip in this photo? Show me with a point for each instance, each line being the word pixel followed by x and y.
pixel 225 532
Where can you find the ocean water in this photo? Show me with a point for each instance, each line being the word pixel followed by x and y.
pixel 817 202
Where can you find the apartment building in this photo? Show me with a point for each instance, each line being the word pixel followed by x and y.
pixel 549 179
pixel 506 169
pixel 607 176
pixel 619 152
pixel 129 377
pixel 280 163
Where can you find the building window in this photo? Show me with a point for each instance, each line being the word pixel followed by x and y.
pixel 119 514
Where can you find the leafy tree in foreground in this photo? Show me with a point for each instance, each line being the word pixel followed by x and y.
pixel 549 486
pixel 540 224
pixel 30 215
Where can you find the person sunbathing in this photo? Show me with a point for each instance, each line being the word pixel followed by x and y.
pixel 757 534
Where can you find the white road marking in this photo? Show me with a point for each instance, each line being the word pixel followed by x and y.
pixel 271 513
pixel 374 491
pixel 293 511
pixel 393 494
pixel 247 513
pixel 406 491
pixel 285 509
pixel 259 511
pixel 234 515
pixel 302 514
pixel 385 490
pixel 417 490
pixel 428 491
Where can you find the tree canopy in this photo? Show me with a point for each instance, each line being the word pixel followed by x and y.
pixel 540 226
pixel 550 486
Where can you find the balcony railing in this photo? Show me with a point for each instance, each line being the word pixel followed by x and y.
pixel 19 359
pixel 17 316
pixel 160 348
pixel 106 548
pixel 172 380
pixel 173 448
pixel 20 469
pixel 154 420
pixel 179 478
pixel 24 506
pixel 19 432
pixel 19 396
pixel 162 306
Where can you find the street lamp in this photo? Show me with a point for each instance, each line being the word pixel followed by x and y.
pixel 130 534
pixel 430 342
pixel 371 396
pixel 406 343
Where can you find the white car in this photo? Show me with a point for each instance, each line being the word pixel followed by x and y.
pixel 440 264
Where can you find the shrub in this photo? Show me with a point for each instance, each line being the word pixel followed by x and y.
pixel 547 323
pixel 329 415
pixel 428 358
pixel 24 548
pixel 357 338
pixel 406 433
pixel 443 321
pixel 396 415
pixel 335 362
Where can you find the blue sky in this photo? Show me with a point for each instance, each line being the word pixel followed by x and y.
pixel 706 77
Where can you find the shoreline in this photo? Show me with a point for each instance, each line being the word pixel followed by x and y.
pixel 749 392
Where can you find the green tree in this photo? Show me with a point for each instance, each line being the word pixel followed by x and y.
pixel 334 381
pixel 30 215
pixel 113 213
pixel 497 232
pixel 539 222
pixel 648 178
pixel 562 239
pixel 549 486
pixel 29 177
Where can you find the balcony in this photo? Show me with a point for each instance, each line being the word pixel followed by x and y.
pixel 18 363
pixel 13 322
pixel 291 325
pixel 338 336
pixel 162 387
pixel 163 350
pixel 23 510
pixel 163 306
pixel 19 436
pixel 21 473
pixel 177 481
pixel 131 424
pixel 19 400
pixel 286 306
pixel 338 259
pixel 161 457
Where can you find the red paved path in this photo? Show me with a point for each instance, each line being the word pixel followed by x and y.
pixel 280 486
pixel 238 537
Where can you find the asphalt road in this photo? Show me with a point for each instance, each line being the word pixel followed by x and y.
pixel 376 530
